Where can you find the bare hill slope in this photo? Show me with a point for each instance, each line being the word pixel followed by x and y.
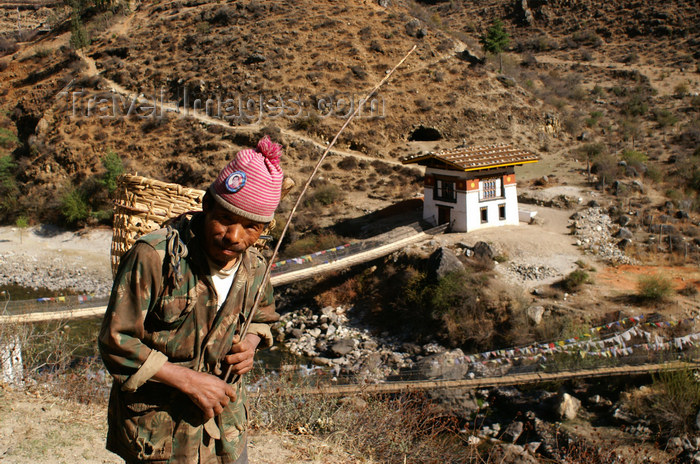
pixel 576 73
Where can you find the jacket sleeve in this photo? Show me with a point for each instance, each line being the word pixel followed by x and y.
pixel 136 288
pixel 264 317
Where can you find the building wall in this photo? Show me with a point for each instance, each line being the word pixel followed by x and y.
pixel 430 205
pixel 466 213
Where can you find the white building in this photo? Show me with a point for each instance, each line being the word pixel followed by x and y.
pixel 471 188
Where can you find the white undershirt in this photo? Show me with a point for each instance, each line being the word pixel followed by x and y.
pixel 222 280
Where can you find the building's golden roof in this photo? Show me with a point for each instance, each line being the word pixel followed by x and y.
pixel 475 158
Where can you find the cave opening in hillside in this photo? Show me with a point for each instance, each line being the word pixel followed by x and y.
pixel 425 134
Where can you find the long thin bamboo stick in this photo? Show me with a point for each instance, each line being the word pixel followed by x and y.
pixel 266 277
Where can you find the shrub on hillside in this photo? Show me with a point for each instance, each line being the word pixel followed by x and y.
pixel 665 118
pixel 575 280
pixel 671 403
pixel 8 187
pixel 327 194
pixel 8 46
pixel 594 118
pixel 635 159
pixel 348 163
pixel 654 288
pixel 113 168
pixel 8 139
pixel 636 105
pixel 606 168
pixel 462 309
pixel 75 207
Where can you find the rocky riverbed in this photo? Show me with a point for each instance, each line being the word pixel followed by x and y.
pixel 46 257
pixel 328 340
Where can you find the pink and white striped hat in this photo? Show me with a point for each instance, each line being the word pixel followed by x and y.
pixel 250 184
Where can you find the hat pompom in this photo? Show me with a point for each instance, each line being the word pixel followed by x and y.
pixel 270 150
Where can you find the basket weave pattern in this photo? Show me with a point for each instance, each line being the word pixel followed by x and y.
pixel 142 205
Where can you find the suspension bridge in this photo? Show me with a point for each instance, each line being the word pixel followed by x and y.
pixel 283 273
pixel 351 254
pixel 508 379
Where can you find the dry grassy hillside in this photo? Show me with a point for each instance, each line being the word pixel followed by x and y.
pixel 618 75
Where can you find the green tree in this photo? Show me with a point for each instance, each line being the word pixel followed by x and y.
pixel 114 167
pixel 78 34
pixel 8 186
pixel 75 207
pixel 21 223
pixel 79 38
pixel 590 151
pixel 495 41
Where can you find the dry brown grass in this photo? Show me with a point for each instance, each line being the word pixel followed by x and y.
pixel 386 429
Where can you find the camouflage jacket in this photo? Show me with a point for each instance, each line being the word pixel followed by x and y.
pixel 163 308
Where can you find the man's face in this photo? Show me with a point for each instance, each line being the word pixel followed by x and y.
pixel 227 235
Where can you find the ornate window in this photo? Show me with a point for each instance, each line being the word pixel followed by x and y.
pixel 444 190
pixel 491 188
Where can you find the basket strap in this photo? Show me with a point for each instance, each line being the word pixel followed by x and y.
pixel 175 250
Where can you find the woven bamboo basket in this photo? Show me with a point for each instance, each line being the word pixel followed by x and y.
pixel 142 205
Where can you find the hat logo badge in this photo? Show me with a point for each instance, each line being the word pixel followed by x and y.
pixel 235 181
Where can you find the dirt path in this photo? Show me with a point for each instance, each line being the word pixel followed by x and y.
pixel 544 243
pixel 244 129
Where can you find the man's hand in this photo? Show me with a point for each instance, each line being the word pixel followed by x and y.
pixel 208 392
pixel 241 355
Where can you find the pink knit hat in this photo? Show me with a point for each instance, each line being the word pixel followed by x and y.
pixel 250 185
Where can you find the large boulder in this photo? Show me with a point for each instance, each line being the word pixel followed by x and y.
pixel 343 347
pixel 513 432
pixel 443 261
pixel 415 28
pixel 535 313
pixel 449 365
pixel 567 407
pixel 482 250
pixel 624 232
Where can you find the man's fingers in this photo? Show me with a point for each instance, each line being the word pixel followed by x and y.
pixel 239 360
pixel 235 358
pixel 242 367
pixel 240 347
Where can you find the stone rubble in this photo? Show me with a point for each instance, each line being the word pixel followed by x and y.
pixel 327 339
pixel 593 227
pixel 526 272
pixel 53 273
